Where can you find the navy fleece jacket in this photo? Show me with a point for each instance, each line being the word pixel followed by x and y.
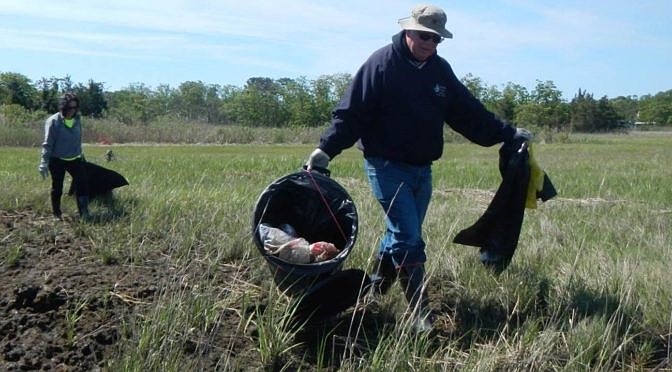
pixel 398 110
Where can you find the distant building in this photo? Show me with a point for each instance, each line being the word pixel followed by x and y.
pixel 640 123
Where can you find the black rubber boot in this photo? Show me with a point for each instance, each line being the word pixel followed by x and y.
pixel 83 207
pixel 412 280
pixel 385 274
pixel 56 205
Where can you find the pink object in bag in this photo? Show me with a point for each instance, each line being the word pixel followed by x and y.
pixel 323 251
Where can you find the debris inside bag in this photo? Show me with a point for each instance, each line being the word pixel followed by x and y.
pixel 283 243
pixel 294 251
pixel 323 251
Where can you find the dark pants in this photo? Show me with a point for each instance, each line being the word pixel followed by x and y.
pixel 57 169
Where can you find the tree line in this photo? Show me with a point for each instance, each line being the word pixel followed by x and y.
pixel 301 102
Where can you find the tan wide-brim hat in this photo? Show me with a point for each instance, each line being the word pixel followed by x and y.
pixel 427 18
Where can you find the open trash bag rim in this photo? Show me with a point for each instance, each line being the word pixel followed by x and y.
pixel 297 178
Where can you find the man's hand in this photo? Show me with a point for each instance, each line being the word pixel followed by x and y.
pixel 522 133
pixel 44 171
pixel 318 159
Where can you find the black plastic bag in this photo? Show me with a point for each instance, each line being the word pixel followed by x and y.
pixel 319 209
pixel 498 229
pixel 101 180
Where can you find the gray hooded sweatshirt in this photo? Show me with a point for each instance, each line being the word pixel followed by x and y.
pixel 61 141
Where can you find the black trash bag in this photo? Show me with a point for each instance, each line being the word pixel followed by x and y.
pixel 498 229
pixel 319 209
pixel 101 180
pixel 331 296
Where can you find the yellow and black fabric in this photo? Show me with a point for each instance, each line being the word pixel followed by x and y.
pixel 523 182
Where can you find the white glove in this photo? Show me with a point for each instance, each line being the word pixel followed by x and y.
pixel 522 133
pixel 318 159
pixel 44 170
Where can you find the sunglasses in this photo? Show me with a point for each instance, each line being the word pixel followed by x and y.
pixel 71 108
pixel 424 36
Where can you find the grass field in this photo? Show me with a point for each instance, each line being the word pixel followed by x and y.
pixel 588 288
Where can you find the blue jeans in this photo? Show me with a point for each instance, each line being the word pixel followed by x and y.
pixel 404 192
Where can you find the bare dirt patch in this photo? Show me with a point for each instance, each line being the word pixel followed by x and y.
pixel 62 306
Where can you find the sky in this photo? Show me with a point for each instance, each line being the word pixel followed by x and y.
pixel 605 47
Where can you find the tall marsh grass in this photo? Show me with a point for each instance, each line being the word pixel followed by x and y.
pixel 30 132
pixel 588 288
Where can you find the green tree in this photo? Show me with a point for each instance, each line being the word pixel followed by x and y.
pixel 324 98
pixel 491 97
pixel 92 100
pixel 132 105
pixel 512 96
pixel 656 109
pixel 607 117
pixel 328 90
pixel 48 94
pixel 229 97
pixel 583 112
pixel 626 107
pixel 501 102
pixel 340 83
pixel 17 89
pixel 475 85
pixel 546 109
pixel 589 115
pixel 162 100
pixel 258 105
pixel 66 84
pixel 298 102
pixel 195 100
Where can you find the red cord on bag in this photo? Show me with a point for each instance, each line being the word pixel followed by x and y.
pixel 326 204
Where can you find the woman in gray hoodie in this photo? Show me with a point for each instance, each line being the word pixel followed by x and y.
pixel 62 152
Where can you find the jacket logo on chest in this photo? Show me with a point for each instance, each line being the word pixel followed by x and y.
pixel 440 90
